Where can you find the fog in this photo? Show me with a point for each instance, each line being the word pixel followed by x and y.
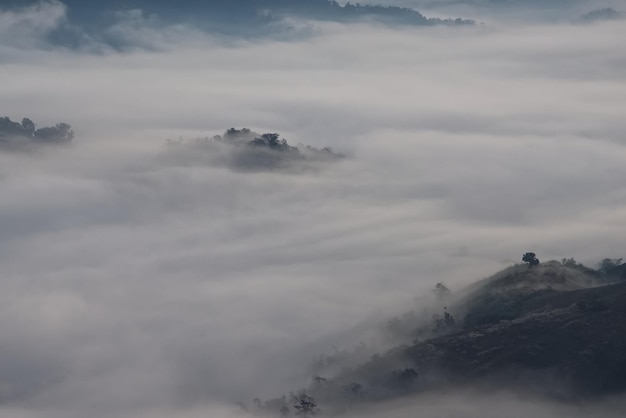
pixel 140 282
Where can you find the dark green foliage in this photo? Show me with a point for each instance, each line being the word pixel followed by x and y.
pixel 355 390
pixel 591 304
pixel 569 262
pixel 507 294
pixel 245 149
pixel 559 322
pixel 305 405
pixel 16 134
pixel 8 128
pixel 530 259
pixel 235 134
pixel 608 264
pixel 273 142
pixel 62 132
pixel 407 377
pixel 444 324
pixel 28 126
pixel 441 291
pixel 613 268
pixel 578 335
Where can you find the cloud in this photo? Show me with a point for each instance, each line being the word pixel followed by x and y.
pixel 138 284
pixel 29 26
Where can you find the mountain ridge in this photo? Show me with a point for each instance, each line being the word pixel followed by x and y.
pixel 557 330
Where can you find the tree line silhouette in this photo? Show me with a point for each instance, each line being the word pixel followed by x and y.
pixel 14 133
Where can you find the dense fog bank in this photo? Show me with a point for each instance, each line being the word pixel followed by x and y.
pixel 140 282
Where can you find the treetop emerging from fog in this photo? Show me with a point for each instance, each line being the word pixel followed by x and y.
pixel 13 133
pixel 245 149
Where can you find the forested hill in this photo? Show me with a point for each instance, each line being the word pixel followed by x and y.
pixel 557 329
pixel 239 11
pixel 14 135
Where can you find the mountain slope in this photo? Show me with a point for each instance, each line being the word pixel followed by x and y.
pixel 553 329
pixel 577 337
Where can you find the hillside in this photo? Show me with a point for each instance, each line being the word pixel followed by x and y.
pixel 523 326
pixel 507 294
pixel 558 330
pixel 575 337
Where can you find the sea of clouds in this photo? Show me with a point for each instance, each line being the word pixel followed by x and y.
pixel 138 282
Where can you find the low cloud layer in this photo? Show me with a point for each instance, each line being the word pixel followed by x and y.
pixel 137 284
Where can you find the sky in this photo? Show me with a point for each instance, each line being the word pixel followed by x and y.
pixel 138 281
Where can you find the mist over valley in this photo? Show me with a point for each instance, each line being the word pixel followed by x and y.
pixel 241 209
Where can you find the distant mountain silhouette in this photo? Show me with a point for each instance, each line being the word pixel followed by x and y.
pixel 601 15
pixel 222 14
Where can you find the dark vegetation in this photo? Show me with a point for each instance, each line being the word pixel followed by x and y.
pixel 25 134
pixel 601 15
pixel 244 149
pixel 557 329
pixel 233 17
pixel 262 11
pixel 530 259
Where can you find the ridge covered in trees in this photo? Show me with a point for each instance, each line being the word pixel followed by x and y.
pixel 245 149
pixel 561 321
pixel 256 10
pixel 26 133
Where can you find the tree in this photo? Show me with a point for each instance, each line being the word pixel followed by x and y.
pixel 568 262
pixel 404 379
pixel 608 264
pixel 355 390
pixel 234 134
pixel 441 291
pixel 318 381
pixel 613 267
pixel 305 405
pixel 28 126
pixel 448 319
pixel 445 324
pixel 62 132
pixel 10 129
pixel 531 259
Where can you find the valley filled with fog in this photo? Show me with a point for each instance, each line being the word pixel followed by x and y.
pixel 145 275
